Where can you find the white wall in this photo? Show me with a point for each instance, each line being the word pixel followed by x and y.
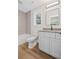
pixel 36 28
pixel 42 10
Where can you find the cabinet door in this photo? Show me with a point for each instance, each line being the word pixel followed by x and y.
pixel 55 48
pixel 44 43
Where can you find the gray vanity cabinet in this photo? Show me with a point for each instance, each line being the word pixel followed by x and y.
pixel 50 43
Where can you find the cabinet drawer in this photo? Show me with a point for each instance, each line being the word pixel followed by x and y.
pixel 51 35
pixel 47 34
pixel 58 36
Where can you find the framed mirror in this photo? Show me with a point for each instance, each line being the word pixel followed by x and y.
pixel 53 15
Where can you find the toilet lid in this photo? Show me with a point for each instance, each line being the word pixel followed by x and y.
pixel 31 38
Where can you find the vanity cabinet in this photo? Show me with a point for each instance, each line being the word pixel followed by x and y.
pixel 50 43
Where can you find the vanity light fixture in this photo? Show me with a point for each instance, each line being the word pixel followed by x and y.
pixel 52 4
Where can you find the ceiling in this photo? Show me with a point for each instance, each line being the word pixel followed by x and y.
pixel 27 5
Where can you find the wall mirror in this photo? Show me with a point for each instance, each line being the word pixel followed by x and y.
pixel 53 13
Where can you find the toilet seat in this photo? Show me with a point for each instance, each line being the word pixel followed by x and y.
pixel 32 41
pixel 31 38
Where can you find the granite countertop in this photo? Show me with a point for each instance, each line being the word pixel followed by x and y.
pixel 54 30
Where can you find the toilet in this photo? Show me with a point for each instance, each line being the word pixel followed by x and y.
pixel 32 41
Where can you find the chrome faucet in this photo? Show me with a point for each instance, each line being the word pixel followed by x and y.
pixel 51 26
